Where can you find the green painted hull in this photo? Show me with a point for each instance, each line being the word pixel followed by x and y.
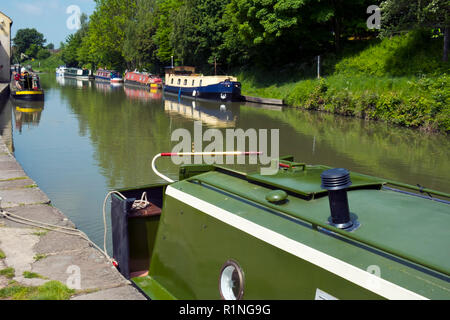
pixel 288 250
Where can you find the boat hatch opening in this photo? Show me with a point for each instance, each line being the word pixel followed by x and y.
pixel 134 231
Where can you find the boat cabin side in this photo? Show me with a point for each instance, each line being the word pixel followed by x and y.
pixel 185 77
pixel 221 234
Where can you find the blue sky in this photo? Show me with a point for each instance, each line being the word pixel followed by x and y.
pixel 49 17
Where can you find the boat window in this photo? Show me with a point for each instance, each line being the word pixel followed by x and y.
pixel 193 82
pixel 201 83
pixel 231 281
pixel 185 82
pixel 171 82
pixel 179 81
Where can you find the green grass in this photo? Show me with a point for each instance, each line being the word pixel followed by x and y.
pixel 39 256
pixel 400 80
pixel 47 65
pixel 413 54
pixel 52 290
pixel 41 233
pixel 32 275
pixel 13 179
pixel 2 254
pixel 8 273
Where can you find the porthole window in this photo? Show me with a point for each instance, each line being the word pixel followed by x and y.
pixel 179 81
pixel 231 281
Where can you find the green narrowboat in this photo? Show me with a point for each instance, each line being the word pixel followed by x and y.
pixel 76 73
pixel 305 232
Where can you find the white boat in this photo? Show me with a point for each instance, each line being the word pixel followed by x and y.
pixel 60 71
pixel 81 74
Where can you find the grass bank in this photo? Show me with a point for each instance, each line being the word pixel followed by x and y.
pixel 400 80
pixel 47 65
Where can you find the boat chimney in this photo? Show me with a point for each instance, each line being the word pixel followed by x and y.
pixel 336 181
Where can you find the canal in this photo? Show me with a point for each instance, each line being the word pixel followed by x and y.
pixel 89 138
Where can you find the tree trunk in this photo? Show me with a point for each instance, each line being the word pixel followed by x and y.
pixel 446 43
pixel 337 35
pixel 337 24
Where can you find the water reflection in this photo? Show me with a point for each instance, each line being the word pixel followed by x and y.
pixel 27 113
pixel 210 113
pixel 73 82
pixel 369 147
pixel 142 93
pixel 107 87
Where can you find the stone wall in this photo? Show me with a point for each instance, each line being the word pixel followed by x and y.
pixel 5 47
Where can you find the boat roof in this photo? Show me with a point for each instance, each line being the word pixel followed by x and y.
pixel 403 225
pixel 180 70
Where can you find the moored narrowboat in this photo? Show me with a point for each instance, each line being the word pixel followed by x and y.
pixel 60 71
pixel 183 81
pixel 26 86
pixel 143 79
pixel 76 73
pixel 302 232
pixel 108 76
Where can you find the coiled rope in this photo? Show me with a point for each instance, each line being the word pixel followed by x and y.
pixel 137 204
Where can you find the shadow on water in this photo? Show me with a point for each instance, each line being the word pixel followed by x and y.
pixel 6 131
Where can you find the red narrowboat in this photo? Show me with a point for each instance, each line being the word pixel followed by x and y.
pixel 143 79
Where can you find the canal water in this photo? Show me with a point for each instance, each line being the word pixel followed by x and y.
pixel 89 138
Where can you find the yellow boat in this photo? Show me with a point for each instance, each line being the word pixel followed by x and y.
pixel 29 95
pixel 26 87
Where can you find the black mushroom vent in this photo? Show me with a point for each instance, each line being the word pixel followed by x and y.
pixel 336 181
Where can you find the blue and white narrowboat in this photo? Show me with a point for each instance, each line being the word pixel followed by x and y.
pixel 183 81
pixel 108 76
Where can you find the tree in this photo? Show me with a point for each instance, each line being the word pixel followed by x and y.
pixel 69 54
pixel 139 46
pixel 106 32
pixel 403 15
pixel 50 46
pixel 198 32
pixel 42 54
pixel 25 38
pixel 165 11
pixel 32 51
pixel 282 31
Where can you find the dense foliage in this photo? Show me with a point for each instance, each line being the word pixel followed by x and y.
pixel 30 42
pixel 150 33
pixel 368 72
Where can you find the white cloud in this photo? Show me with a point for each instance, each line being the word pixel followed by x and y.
pixel 30 8
pixel 37 7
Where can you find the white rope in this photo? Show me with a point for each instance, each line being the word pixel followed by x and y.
pixel 138 204
pixel 157 172
pixel 217 153
pixel 52 227
pixel 141 204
